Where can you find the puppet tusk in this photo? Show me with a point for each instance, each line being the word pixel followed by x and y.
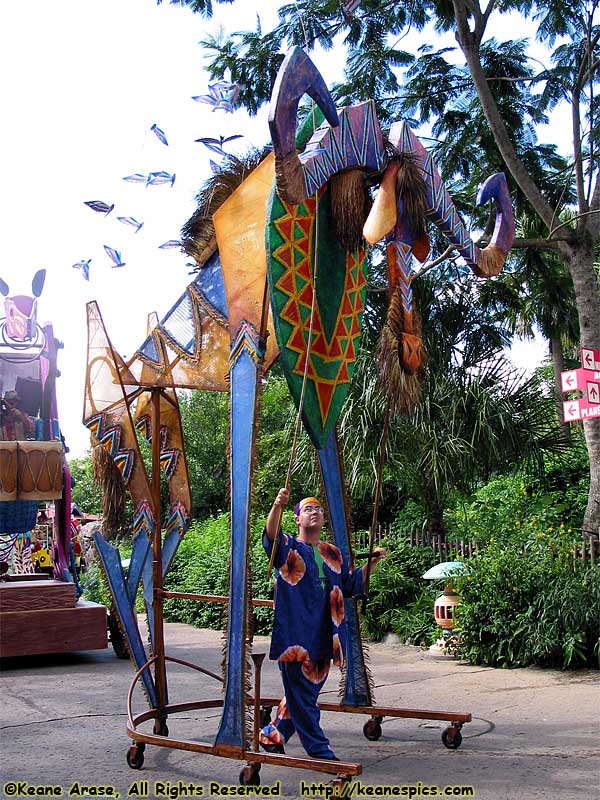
pixel 384 212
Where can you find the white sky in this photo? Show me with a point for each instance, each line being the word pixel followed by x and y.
pixel 83 81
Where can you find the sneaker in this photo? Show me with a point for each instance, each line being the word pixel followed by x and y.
pixel 273 748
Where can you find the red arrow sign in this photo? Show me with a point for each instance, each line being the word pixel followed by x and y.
pixel 575 379
pixel 593 392
pixel 590 358
pixel 574 410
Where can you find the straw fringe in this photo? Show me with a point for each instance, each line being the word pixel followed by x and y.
pixel 350 206
pixel 108 476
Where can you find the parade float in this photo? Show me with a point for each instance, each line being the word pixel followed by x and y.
pixel 40 609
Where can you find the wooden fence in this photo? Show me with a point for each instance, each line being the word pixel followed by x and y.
pixel 586 551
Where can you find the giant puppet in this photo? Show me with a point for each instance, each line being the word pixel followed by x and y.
pixel 282 272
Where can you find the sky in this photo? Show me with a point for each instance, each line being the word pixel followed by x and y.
pixel 83 82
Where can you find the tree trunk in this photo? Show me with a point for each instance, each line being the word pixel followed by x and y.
pixel 558 362
pixel 578 253
pixel 587 294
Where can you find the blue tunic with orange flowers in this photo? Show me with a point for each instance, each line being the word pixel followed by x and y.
pixel 311 583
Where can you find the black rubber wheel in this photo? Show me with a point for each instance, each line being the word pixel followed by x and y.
pixel 372 730
pixel 250 775
pixel 161 728
pixel 452 738
pixel 135 757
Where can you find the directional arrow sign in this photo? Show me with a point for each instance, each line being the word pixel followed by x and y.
pixel 590 359
pixel 581 379
pixel 593 392
pixel 574 410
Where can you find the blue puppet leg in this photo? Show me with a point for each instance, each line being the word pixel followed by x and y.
pixel 301 698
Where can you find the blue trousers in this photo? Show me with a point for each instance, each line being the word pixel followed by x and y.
pixel 298 711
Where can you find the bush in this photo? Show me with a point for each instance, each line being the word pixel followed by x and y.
pixel 394 587
pixel 201 565
pixel 524 603
pixel 416 624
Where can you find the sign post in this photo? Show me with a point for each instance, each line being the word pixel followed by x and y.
pixel 584 379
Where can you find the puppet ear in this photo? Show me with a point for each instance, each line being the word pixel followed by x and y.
pixel 37 284
pixel 4 288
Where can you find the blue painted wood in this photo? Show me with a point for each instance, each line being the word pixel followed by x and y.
pixel 139 552
pixel 244 382
pixel 169 548
pixel 111 562
pixel 357 691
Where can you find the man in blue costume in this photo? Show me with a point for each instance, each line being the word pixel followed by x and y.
pixel 309 625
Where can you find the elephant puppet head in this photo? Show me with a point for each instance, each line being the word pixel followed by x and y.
pixel 388 218
pixel 21 310
pixel 411 190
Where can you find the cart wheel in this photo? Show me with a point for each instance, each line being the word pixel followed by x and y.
pixel 135 756
pixel 452 738
pixel 160 727
pixel 372 730
pixel 116 637
pixel 250 775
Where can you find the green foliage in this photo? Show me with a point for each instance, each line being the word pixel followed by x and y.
pixel 395 585
pixel 524 603
pixel 85 493
pixel 201 565
pixel 415 624
pixel 205 421
pixel 94 586
pixel 525 505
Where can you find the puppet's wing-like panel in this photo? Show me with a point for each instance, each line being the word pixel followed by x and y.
pixel 106 406
pixel 189 348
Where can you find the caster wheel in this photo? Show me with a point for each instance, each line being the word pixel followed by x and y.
pixel 372 730
pixel 135 756
pixel 161 728
pixel 250 775
pixel 452 738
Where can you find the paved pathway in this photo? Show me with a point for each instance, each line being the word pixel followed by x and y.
pixel 534 733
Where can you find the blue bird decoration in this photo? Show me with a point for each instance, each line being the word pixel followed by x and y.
pixel 160 135
pixel 136 178
pixel 84 266
pixel 132 222
pixel 216 144
pixel 99 205
pixel 114 256
pixel 157 178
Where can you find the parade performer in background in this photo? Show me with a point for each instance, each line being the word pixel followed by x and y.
pixel 15 425
pixel 309 627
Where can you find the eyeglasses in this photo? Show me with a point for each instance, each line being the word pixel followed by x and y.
pixel 311 509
